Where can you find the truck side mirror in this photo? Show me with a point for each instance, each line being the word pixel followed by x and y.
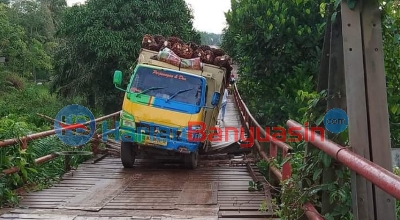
pixel 117 78
pixel 215 99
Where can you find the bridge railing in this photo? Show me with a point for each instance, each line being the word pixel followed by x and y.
pixel 257 133
pixel 23 141
pixel 379 176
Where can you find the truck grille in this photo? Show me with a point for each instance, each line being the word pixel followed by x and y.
pixel 147 129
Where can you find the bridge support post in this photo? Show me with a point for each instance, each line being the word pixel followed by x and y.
pixel 336 91
pixel 367 103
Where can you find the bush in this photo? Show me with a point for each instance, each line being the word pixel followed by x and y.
pixel 19 104
pixel 10 82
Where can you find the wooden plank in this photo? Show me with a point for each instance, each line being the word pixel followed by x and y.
pixel 148 190
pixel 102 218
pixel 198 193
pixel 39 206
pixel 125 196
pixel 259 199
pixel 182 213
pixel 98 196
pixel 203 214
pixel 33 196
pixel 356 107
pixel 225 188
pixel 56 193
pixel 245 214
pixel 43 199
pixel 139 207
pixel 191 218
pixel 337 99
pixel 323 74
pixel 147 200
pixel 249 218
pixel 237 202
pixel 245 207
pixel 214 195
pixel 60 186
pixel 238 193
pixel 377 103
pixel 63 189
pixel 38 216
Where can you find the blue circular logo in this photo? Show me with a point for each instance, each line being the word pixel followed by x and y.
pixel 336 120
pixel 72 118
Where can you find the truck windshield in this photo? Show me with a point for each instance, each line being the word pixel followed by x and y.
pixel 168 85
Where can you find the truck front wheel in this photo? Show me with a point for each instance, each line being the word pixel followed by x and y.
pixel 127 154
pixel 191 160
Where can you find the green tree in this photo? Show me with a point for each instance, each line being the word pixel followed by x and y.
pixel 34 18
pixel 13 43
pixel 34 21
pixel 391 37
pixel 277 46
pixel 102 36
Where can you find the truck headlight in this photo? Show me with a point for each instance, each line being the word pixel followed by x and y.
pixel 126 115
pixel 128 123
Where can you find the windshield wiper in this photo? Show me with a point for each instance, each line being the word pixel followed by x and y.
pixel 180 91
pixel 149 89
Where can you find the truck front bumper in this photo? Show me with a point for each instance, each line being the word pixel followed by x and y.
pixel 160 142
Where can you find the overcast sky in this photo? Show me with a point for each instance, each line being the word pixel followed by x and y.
pixel 208 14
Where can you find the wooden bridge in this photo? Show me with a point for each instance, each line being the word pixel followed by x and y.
pixel 219 188
pixel 104 189
pixel 153 189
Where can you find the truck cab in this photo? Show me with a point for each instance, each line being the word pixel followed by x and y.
pixel 162 107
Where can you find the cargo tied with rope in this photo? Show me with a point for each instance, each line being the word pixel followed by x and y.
pixel 175 51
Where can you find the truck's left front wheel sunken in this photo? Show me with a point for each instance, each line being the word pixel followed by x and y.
pixel 127 154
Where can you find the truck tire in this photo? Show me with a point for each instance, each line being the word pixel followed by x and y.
pixel 127 154
pixel 191 160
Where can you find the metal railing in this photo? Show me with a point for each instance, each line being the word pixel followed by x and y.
pixel 379 176
pixel 23 142
pixel 274 144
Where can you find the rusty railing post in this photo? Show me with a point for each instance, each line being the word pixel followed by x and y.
pixel 95 144
pixel 67 162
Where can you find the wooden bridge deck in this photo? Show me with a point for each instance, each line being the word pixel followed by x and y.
pixel 231 131
pixel 148 191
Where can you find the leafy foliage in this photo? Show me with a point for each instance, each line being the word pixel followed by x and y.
pixel 259 37
pixel 36 176
pixel 26 39
pixel 391 36
pixel 396 170
pixel 18 118
pixel 12 42
pixel 102 36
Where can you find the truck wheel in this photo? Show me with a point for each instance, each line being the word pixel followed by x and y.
pixel 191 160
pixel 127 154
